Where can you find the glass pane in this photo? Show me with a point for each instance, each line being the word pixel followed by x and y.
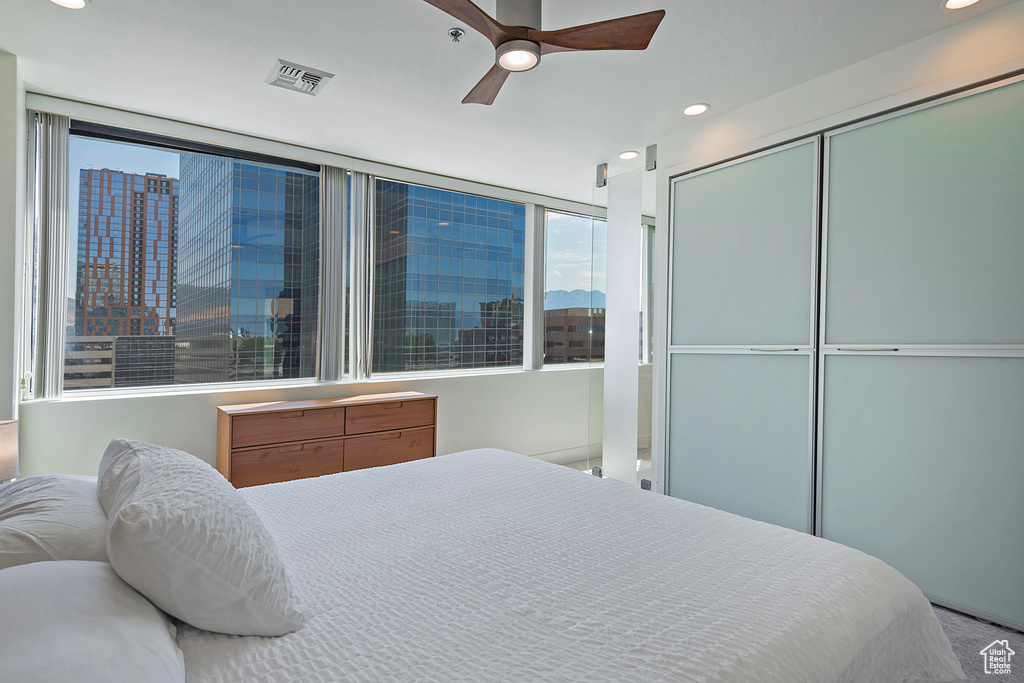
pixel 922 467
pixel 739 434
pixel 188 268
pixel 742 270
pixel 647 294
pixel 575 260
pixel 448 279
pixel 925 231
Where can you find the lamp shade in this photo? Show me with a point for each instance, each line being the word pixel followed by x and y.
pixel 8 449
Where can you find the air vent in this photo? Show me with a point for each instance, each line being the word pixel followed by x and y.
pixel 298 78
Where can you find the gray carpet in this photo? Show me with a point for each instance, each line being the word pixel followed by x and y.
pixel 968 636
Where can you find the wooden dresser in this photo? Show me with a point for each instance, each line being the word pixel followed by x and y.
pixel 262 443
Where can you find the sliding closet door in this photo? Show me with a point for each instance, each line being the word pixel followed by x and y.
pixel 922 422
pixel 741 353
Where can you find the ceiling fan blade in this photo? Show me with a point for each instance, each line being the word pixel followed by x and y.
pixel 475 18
pixel 626 33
pixel 487 89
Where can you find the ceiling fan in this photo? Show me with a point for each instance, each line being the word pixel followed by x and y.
pixel 519 43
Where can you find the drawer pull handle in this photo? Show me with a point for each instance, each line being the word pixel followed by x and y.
pixel 392 406
pixel 396 435
pixel 291 414
pixel 291 449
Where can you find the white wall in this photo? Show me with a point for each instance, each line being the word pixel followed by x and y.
pixel 542 413
pixel 12 192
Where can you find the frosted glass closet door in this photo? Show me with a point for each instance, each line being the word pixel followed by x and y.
pixel 924 469
pixel 922 446
pixel 741 336
pixel 926 226
pixel 738 427
pixel 743 252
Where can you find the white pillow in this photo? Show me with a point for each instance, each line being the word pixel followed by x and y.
pixel 51 517
pixel 77 621
pixel 184 537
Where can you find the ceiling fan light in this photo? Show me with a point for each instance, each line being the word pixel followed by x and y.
pixel 518 55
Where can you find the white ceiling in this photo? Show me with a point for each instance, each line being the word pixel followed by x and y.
pixel 400 79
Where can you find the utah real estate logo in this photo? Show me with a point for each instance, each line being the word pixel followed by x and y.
pixel 997 657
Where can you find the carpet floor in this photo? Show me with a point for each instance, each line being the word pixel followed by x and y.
pixel 968 636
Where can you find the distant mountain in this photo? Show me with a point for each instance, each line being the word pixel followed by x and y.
pixel 577 298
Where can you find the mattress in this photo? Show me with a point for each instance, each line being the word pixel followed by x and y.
pixel 491 566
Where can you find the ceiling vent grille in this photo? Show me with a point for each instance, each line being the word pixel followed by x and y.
pixel 299 78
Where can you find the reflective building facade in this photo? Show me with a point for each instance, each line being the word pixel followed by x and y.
pixel 448 279
pixel 249 271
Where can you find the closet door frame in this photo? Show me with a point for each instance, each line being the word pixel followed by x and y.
pixel 882 349
pixel 808 349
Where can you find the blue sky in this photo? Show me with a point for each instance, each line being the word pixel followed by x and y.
pixel 577 248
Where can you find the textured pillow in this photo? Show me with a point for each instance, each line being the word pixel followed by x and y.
pixel 77 621
pixel 51 517
pixel 181 535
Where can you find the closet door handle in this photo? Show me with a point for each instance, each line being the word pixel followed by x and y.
pixel 888 348
pixel 772 350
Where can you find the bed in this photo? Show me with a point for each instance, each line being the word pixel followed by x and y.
pixel 491 566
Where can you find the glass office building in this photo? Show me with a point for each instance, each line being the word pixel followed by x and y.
pixel 248 271
pixel 448 279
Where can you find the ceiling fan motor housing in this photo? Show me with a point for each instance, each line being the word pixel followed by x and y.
pixel 519 13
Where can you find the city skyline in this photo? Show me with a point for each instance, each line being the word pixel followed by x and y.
pixel 239 285
pixel 122 325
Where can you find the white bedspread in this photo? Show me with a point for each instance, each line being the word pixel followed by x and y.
pixel 491 566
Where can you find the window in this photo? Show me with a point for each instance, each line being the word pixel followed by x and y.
pixel 245 305
pixel 206 262
pixel 574 288
pixel 448 279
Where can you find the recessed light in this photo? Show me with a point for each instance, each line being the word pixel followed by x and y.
pixel 696 109
pixel 959 4
pixel 517 55
pixel 629 155
pixel 70 4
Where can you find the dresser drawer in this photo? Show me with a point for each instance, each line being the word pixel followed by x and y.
pixel 284 463
pixel 376 417
pixel 285 425
pixel 389 448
